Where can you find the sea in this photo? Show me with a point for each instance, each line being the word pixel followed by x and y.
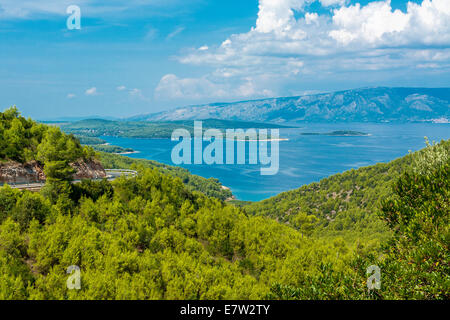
pixel 303 159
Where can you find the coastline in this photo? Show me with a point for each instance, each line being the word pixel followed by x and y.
pixel 124 153
pixel 267 140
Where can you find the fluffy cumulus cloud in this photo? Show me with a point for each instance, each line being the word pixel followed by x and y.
pixel 172 87
pixel 288 43
pixel 278 16
pixel 377 24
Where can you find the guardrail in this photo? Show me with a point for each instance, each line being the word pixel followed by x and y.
pixel 117 172
pixel 113 173
pixel 13 184
pixel 120 170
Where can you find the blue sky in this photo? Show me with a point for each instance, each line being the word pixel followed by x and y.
pixel 133 57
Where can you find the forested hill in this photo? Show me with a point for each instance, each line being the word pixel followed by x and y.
pixel 24 141
pixel 344 204
pixel 151 130
pixel 30 151
pixel 211 187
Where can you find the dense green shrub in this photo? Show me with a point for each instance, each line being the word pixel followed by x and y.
pixel 154 236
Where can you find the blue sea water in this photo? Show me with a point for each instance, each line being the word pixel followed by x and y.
pixel 303 159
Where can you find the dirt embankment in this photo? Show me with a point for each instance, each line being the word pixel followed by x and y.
pixel 88 170
pixel 31 172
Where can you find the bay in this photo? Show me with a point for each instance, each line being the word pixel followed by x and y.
pixel 303 158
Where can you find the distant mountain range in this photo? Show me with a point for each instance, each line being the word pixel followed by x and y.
pixel 379 104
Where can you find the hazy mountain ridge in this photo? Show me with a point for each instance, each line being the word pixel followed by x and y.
pixel 378 104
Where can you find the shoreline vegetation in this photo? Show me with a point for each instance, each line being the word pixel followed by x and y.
pixel 259 140
pixel 96 128
pixel 91 131
pixel 101 145
pixel 339 133
pixel 127 152
pixel 108 148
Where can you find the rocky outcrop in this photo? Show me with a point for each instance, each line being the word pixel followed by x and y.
pixel 33 172
pixel 15 172
pixel 92 169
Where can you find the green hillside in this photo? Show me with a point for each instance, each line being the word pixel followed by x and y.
pixel 343 205
pixel 112 149
pixel 210 187
pixel 92 141
pixel 23 140
pixel 157 129
pixel 153 237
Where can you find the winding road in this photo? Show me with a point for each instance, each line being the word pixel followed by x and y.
pixel 112 174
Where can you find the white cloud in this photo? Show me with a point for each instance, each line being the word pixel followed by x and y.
pixel 286 44
pixel 376 23
pixel 226 43
pixel 327 3
pixel 26 8
pixel 203 48
pixel 32 9
pixel 135 92
pixel 311 17
pixel 91 91
pixel 368 24
pixel 277 16
pixel 71 95
pixel 172 87
pixel 175 32
pixel 151 34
